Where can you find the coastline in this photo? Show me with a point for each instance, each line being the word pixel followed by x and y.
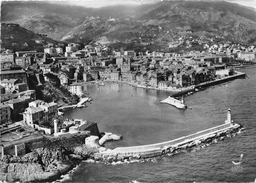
pixel 76 158
pixel 47 160
pixel 179 91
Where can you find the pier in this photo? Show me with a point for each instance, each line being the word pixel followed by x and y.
pixel 175 102
pixel 218 81
pixel 79 104
pixel 173 146
pixel 210 83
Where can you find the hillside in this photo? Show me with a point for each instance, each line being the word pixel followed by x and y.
pixel 161 24
pixel 18 38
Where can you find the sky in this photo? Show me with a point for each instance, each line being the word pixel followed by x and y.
pixel 102 3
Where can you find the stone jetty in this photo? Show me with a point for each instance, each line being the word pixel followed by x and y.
pixel 175 146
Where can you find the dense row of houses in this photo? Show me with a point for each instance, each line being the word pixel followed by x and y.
pixel 92 63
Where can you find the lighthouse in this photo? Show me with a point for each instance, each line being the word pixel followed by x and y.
pixel 55 126
pixel 228 117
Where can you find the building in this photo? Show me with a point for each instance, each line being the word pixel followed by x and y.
pixel 50 51
pixel 115 75
pixel 105 75
pixel 22 53
pixel 40 112
pixel 13 85
pixel 14 74
pixel 222 73
pixel 24 61
pixel 17 106
pixel 153 81
pixel 119 61
pixel 128 76
pixel 130 53
pixel 94 74
pixel 50 109
pixel 77 54
pixel 9 84
pixel 164 84
pixel 87 77
pixel 2 89
pixel 72 47
pixel 5 113
pixel 59 50
pixel 6 60
pixel 76 89
pixel 63 78
pixel 246 56
pixel 33 115
pixel 6 57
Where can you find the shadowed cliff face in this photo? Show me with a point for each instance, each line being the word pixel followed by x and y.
pixel 158 23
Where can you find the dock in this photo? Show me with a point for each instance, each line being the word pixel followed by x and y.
pixel 79 104
pixel 221 80
pixel 175 102
pixel 173 146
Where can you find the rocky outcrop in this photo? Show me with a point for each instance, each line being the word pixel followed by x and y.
pixel 41 164
pixel 47 162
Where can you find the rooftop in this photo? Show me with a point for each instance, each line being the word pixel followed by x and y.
pixel 33 109
pixel 12 72
pixel 9 80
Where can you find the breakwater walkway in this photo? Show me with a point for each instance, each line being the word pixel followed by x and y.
pixel 79 104
pixel 210 83
pixel 221 80
pixel 173 146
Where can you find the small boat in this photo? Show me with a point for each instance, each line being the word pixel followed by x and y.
pixel 240 160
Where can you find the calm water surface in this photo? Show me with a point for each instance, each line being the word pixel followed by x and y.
pixel 140 118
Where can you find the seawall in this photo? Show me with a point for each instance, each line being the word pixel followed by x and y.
pixel 210 83
pixel 222 80
pixel 173 146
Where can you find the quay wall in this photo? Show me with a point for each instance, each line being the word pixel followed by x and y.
pixel 222 80
pixel 210 83
pixel 158 149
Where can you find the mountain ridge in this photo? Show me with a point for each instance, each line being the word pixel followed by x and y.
pixel 157 23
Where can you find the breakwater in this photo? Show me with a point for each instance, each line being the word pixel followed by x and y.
pixel 175 146
pixel 210 83
pixel 222 80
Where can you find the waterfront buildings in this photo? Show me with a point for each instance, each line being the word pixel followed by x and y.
pixel 76 89
pixel 247 56
pixel 40 112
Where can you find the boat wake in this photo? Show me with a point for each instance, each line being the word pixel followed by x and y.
pixel 240 160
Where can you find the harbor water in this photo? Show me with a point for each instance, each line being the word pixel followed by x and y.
pixel 138 116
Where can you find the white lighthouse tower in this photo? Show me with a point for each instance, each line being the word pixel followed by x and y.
pixel 55 126
pixel 229 120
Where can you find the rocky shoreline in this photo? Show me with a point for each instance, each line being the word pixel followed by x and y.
pixel 46 163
